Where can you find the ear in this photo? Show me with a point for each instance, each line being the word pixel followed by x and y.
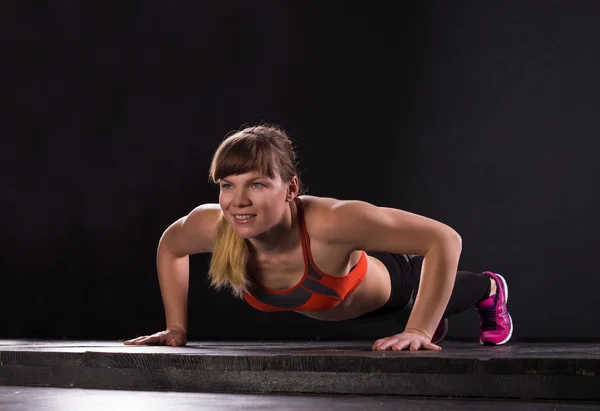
pixel 292 189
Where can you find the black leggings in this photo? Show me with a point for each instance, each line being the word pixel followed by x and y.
pixel 405 275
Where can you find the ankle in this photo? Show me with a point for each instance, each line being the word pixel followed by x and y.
pixel 493 287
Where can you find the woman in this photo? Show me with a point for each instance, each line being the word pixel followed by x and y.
pixel 325 258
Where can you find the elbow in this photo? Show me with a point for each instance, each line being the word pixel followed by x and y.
pixel 456 239
pixel 455 242
pixel 450 240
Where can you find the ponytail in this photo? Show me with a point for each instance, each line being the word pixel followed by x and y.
pixel 229 259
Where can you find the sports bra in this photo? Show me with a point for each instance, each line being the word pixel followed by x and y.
pixel 316 291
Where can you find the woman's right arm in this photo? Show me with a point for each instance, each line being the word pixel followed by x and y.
pixel 192 234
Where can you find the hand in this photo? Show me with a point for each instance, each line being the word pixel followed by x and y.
pixel 407 340
pixel 174 337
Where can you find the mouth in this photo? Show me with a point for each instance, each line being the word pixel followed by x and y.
pixel 243 218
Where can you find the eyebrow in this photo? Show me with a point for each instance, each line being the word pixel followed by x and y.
pixel 250 179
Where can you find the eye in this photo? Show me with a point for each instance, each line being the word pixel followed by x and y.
pixel 225 185
pixel 257 184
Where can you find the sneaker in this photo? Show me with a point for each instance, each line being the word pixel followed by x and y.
pixel 441 331
pixel 496 325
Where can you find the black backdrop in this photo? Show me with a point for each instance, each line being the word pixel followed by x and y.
pixel 481 114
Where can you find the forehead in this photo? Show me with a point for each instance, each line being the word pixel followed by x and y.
pixel 253 175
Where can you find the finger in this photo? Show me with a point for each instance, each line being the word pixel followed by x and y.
pixel 172 341
pixel 431 346
pixel 400 345
pixel 149 340
pixel 377 347
pixel 378 344
pixel 415 345
pixel 155 340
pixel 175 342
pixel 135 340
pixel 389 343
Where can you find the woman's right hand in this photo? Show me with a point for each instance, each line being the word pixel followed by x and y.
pixel 173 337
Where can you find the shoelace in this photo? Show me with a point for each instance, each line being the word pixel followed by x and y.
pixel 488 319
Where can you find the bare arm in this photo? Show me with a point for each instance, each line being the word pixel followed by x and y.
pixel 363 226
pixel 192 234
pixel 189 235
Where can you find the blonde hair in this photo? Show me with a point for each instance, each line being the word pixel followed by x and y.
pixel 265 149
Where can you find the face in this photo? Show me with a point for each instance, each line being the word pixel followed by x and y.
pixel 253 203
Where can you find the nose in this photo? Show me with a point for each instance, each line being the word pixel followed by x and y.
pixel 240 199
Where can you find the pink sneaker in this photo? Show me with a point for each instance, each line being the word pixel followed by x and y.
pixel 496 325
pixel 440 333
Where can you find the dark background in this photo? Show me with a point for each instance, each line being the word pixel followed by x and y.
pixel 481 114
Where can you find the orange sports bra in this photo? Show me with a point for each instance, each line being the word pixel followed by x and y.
pixel 317 291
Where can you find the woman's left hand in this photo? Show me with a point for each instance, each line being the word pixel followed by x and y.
pixel 406 340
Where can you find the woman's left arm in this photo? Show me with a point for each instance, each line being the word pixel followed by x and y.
pixel 364 226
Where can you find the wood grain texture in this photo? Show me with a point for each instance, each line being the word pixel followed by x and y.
pixel 523 372
pixel 427 385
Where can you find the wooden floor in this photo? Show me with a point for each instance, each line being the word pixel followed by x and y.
pixel 516 371
pixel 77 399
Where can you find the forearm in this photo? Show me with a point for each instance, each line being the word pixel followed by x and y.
pixel 173 277
pixel 438 275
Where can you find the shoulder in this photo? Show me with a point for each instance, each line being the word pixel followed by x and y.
pixel 195 232
pixel 323 208
pixel 360 225
pixel 322 214
pixel 204 214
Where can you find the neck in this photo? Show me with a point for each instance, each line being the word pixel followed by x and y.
pixel 281 238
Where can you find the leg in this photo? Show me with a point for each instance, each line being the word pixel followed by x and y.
pixel 405 275
pixel 469 288
pixel 486 292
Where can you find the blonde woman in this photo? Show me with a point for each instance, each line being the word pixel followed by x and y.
pixel 322 257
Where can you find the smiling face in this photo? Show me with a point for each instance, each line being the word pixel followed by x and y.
pixel 253 203
pixel 256 173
